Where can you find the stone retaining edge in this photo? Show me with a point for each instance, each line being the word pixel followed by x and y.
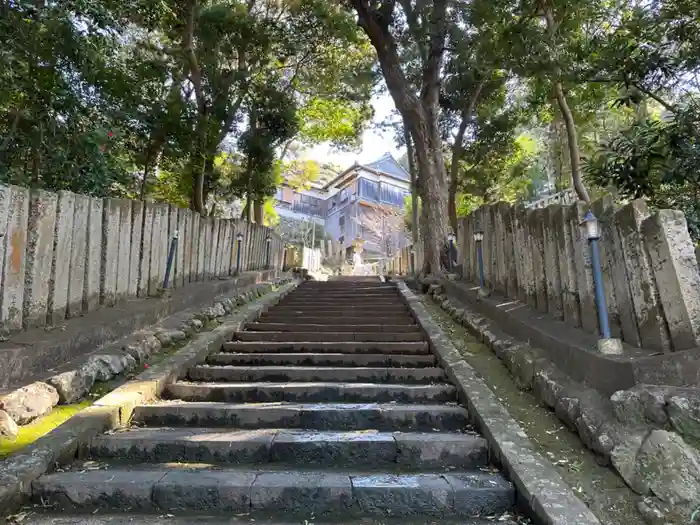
pixel 115 409
pixel 540 489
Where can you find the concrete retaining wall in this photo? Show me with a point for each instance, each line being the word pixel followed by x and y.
pixel 541 257
pixel 64 255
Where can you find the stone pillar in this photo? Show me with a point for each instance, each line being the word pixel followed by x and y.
pixel 187 244
pixel 164 241
pixel 124 260
pixel 14 214
pixel 93 273
pixel 173 226
pixel 555 304
pixel 509 253
pixel 137 210
pixel 676 271
pixel 567 267
pixel 180 267
pixel 110 252
pixel 40 240
pixel 160 226
pixel 583 269
pixel 603 211
pixel 60 265
pixel 201 245
pixel 644 292
pixel 526 292
pixel 500 215
pixel 147 249
pixel 536 234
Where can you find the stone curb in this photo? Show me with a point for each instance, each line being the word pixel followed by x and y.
pixel 540 488
pixel 70 385
pixel 616 429
pixel 115 409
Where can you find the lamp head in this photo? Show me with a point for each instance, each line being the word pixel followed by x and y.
pixel 592 225
pixel 478 235
pixel 239 237
pixel 268 240
pixel 451 237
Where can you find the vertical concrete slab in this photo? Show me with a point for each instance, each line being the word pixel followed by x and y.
pixel 226 249
pixel 78 255
pixel 186 219
pixel 194 259
pixel 164 242
pixel 111 227
pixel 40 241
pixel 522 253
pixel 60 264
pixel 487 244
pixel 567 270
pixel 675 268
pixel 644 292
pixel 603 209
pixel 511 274
pixel 173 226
pixel 551 262
pixel 137 211
pixel 93 271
pixel 124 260
pixel 146 248
pixel 582 263
pixel 160 224
pixel 215 254
pixel 13 246
pixel 181 241
pixel 202 255
pixel 535 220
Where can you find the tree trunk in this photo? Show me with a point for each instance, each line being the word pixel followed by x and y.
pixel 259 209
pixel 153 155
pixel 414 185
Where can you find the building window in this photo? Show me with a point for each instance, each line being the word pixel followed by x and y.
pixel 341 224
pixel 344 194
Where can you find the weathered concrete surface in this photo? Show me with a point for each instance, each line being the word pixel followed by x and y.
pixel 675 268
pixel 110 251
pixel 14 212
pixel 136 227
pixel 146 239
pixel 60 264
pixel 29 402
pixel 91 296
pixel 552 267
pixel 603 209
pixel 78 255
pixel 101 519
pixel 540 487
pixel 582 266
pixel 40 241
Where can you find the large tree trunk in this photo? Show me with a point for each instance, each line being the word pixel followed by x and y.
pixel 259 209
pixel 414 184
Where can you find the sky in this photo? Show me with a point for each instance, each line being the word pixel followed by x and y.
pixel 374 143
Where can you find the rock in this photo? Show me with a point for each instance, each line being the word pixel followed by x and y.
pixel 196 324
pixel 29 402
pixel 524 365
pixel 168 337
pixel 8 427
pixel 434 289
pixel 627 406
pixel 445 304
pixel 568 410
pixel 547 385
pixel 642 404
pixel 669 468
pixel 219 310
pixel 594 413
pixel 72 385
pixel 684 414
pixel 624 458
pixel 142 347
pixel 106 366
pixel 240 300
pixel 228 305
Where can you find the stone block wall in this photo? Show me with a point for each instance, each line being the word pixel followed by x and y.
pixel 541 257
pixel 64 255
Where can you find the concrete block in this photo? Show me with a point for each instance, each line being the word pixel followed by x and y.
pixel 194 256
pixel 202 247
pixel 582 264
pixel 180 254
pixel 137 211
pixel 603 210
pixel 78 255
pixel 40 240
pixel 567 267
pixel 521 253
pixel 225 248
pixel 643 289
pixel 215 244
pixel 535 221
pixel 555 304
pixel 158 234
pixel 146 249
pixel 124 259
pixel 187 217
pixel 93 270
pixel 509 253
pixel 675 269
pixel 60 265
pixel 14 210
pixel 110 251
pixel 173 226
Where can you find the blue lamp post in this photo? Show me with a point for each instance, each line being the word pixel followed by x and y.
pixel 239 241
pixel 478 239
pixel 413 261
pixel 268 240
pixel 450 248
pixel 171 259
pixel 606 344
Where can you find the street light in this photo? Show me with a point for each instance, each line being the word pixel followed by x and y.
pixel 268 240
pixel 239 241
pixel 606 343
pixel 478 239
pixel 413 261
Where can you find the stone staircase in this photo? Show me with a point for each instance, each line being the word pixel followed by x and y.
pixel 329 408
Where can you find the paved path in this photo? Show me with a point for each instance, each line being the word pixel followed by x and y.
pixel 330 408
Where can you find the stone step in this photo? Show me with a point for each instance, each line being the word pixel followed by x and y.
pixel 355 303
pixel 347 347
pixel 273 317
pixel 314 392
pixel 329 416
pixel 305 327
pixel 353 449
pixel 386 292
pixel 321 359
pixel 329 337
pixel 313 373
pixel 170 519
pixel 339 310
pixel 318 493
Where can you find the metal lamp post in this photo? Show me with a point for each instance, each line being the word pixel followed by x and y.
pixel 171 259
pixel 606 343
pixel 451 247
pixel 413 261
pixel 268 240
pixel 239 241
pixel 478 239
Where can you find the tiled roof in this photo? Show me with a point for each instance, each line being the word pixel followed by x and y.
pixel 388 164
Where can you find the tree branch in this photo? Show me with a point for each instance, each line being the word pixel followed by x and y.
pixel 431 67
pixel 193 65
